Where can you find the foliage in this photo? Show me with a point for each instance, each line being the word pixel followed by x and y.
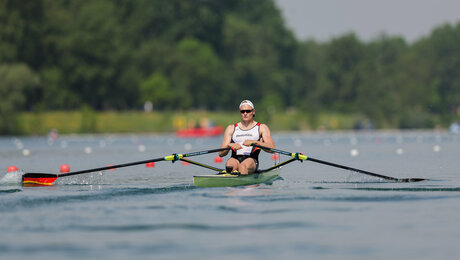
pixel 69 122
pixel 116 54
pixel 157 90
pixel 16 81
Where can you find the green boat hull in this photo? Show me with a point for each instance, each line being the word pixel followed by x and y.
pixel 228 180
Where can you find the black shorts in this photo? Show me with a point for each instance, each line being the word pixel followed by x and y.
pixel 241 158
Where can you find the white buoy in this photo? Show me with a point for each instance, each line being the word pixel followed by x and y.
pixel 436 148
pixel 141 148
pixel 187 146
pixel 26 152
pixel 354 152
pixel 399 151
pixel 88 150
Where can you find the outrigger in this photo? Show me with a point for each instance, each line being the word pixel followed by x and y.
pixel 221 179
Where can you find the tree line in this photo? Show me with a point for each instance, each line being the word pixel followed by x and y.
pixel 205 54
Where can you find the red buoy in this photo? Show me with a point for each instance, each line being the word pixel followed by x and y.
pixel 185 163
pixel 12 168
pixel 275 157
pixel 113 169
pixel 65 168
pixel 150 164
pixel 218 159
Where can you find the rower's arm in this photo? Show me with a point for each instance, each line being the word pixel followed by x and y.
pixel 227 140
pixel 266 139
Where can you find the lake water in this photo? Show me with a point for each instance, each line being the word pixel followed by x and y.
pixel 315 211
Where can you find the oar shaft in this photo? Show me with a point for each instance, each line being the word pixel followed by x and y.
pixel 166 158
pixel 203 165
pixel 111 167
pixel 303 157
pixel 352 169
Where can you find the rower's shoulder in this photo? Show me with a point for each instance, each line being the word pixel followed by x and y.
pixel 263 127
pixel 230 128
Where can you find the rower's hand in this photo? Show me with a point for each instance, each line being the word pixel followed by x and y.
pixel 249 142
pixel 235 146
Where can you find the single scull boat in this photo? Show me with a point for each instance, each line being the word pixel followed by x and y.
pixel 229 180
pixel 217 180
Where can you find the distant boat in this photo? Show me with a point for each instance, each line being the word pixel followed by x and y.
pixel 200 132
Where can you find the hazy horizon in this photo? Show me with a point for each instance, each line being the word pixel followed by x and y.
pixel 368 19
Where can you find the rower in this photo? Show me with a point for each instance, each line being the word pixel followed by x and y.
pixel 240 137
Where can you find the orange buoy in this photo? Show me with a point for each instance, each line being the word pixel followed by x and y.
pixel 275 157
pixel 185 163
pixel 113 169
pixel 218 159
pixel 150 164
pixel 65 168
pixel 12 168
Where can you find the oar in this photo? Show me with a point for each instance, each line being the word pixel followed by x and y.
pixel 49 178
pixel 302 157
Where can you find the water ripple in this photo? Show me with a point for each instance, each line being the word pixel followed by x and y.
pixel 109 194
pixel 194 226
pixel 10 191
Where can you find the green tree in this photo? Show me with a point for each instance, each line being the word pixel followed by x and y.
pixel 444 54
pixel 197 75
pixel 15 80
pixel 157 90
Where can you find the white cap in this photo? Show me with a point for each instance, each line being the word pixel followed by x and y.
pixel 246 102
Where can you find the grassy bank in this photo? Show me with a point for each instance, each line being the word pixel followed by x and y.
pixel 88 121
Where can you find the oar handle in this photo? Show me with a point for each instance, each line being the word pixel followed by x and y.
pixel 297 156
pixel 206 152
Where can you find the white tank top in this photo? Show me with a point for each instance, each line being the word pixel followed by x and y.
pixel 239 136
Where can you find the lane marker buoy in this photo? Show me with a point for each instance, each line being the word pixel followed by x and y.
pixel 150 164
pixel 12 168
pixel 64 168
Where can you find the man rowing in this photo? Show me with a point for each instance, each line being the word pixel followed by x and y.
pixel 240 136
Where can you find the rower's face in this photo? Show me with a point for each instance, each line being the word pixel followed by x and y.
pixel 246 112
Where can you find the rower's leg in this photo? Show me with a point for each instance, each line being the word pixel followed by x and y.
pixel 247 166
pixel 232 162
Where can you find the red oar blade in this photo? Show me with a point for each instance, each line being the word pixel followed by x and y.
pixel 39 178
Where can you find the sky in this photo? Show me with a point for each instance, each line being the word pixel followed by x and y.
pixel 323 20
